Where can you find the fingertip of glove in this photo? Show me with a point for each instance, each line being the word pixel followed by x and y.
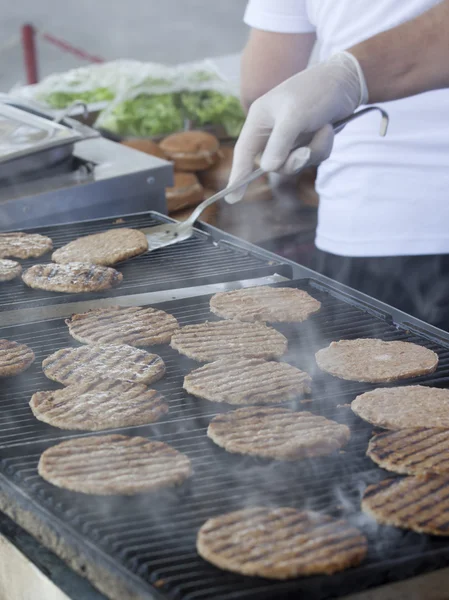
pixel 300 158
pixel 270 164
pixel 235 197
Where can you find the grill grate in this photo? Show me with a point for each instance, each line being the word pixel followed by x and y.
pixel 153 536
pixel 196 261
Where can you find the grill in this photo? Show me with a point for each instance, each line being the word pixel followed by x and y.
pixel 144 547
pixel 202 259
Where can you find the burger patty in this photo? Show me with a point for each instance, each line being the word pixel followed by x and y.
pixel 247 381
pixel 375 361
pixel 412 451
pixel 419 503
pixel 280 543
pixel 93 407
pixel 277 433
pixel 136 326
pixel 407 407
pixel 72 278
pixel 14 358
pixel 89 363
pixel 24 245
pixel 106 248
pixel 113 464
pixel 265 304
pixel 223 339
pixel 9 269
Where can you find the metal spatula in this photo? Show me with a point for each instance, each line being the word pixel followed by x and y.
pixel 172 233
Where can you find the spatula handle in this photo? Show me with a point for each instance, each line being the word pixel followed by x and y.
pixel 337 127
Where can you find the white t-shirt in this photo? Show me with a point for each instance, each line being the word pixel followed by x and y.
pixel 378 196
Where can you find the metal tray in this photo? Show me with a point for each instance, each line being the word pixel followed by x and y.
pixel 144 547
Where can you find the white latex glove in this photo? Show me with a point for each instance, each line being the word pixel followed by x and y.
pixel 300 110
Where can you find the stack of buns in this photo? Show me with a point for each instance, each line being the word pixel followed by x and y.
pixel 202 168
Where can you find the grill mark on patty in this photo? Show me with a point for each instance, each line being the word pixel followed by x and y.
pixel 280 543
pixel 412 451
pixel 277 433
pixel 113 464
pixel 89 363
pixel 14 358
pixel 9 269
pixel 71 277
pixel 80 407
pixel 247 381
pixel 136 326
pixel 210 341
pixel 420 503
pixel 24 245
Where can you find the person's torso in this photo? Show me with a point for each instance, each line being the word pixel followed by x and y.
pixel 383 196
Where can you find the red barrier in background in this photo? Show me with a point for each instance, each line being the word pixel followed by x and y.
pixel 29 53
pixel 29 34
pixel 66 47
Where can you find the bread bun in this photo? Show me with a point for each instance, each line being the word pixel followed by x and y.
pixel 191 150
pixel 186 191
pixel 147 146
pixel 217 176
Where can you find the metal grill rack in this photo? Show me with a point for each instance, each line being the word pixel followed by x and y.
pixel 146 544
pixel 200 260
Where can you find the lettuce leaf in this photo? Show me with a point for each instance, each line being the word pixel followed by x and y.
pixel 144 116
pixel 214 108
pixel 64 99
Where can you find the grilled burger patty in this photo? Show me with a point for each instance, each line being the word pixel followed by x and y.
pixel 14 358
pixel 280 543
pixel 106 248
pixel 24 245
pixel 247 381
pixel 89 363
pixel 113 464
pixel 376 361
pixel 73 278
pixel 102 405
pixel 136 326
pixel 9 269
pixel 210 341
pixel 419 503
pixel 277 433
pixel 412 451
pixel 265 303
pixel 406 407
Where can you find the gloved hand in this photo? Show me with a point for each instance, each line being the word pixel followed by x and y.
pixel 300 110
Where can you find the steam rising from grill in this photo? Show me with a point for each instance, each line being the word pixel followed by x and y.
pixel 153 537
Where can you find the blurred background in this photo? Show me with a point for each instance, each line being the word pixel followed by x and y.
pixel 169 31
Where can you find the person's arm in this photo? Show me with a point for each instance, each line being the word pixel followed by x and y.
pixel 408 59
pixel 270 58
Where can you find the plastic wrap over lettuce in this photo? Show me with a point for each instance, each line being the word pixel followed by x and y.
pixel 144 111
pixel 146 99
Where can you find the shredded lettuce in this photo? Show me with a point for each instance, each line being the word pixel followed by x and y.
pixel 144 116
pixel 214 108
pixel 149 115
pixel 64 99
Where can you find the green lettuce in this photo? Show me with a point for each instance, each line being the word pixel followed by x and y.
pixel 213 108
pixel 144 116
pixel 64 99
